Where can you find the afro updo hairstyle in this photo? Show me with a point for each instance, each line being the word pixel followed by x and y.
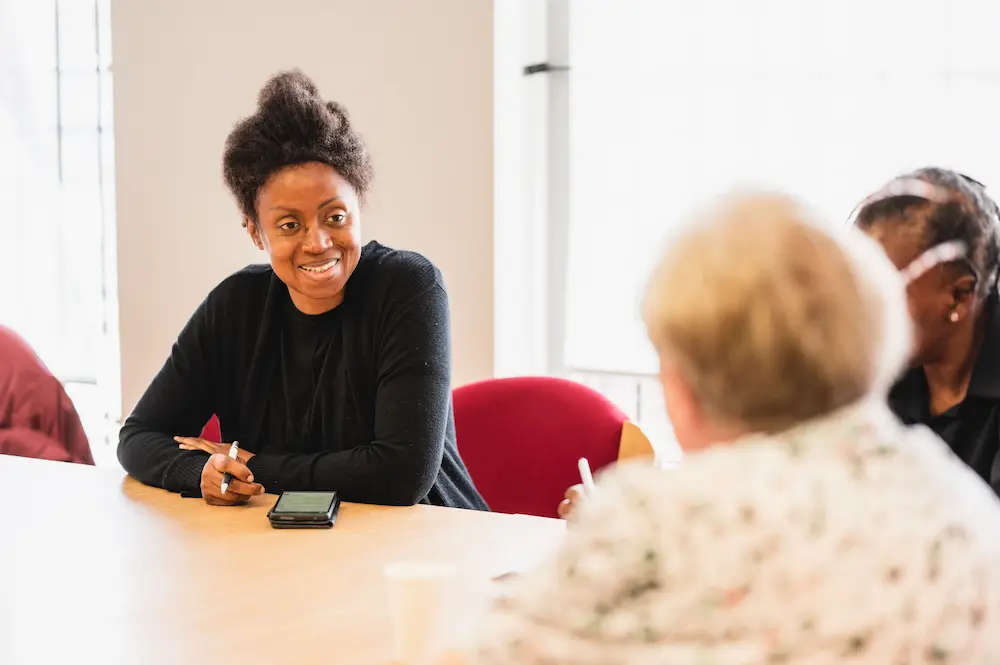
pixel 292 125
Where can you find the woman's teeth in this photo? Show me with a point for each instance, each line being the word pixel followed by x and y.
pixel 322 267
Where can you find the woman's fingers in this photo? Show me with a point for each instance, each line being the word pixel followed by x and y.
pixel 242 478
pixel 195 443
pixel 241 487
pixel 226 464
pixel 211 492
pixel 231 499
pixel 248 489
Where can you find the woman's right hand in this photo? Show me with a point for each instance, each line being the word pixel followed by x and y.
pixel 241 488
pixel 574 496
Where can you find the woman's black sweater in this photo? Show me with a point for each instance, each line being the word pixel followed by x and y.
pixel 357 400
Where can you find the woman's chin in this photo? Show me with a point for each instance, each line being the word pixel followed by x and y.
pixel 314 284
pixel 311 298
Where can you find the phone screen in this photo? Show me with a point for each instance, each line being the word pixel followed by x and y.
pixel 305 502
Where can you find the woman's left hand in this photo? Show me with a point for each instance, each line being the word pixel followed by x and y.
pixel 210 447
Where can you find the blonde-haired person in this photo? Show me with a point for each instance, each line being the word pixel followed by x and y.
pixel 806 525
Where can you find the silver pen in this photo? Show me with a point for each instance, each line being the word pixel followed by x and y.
pixel 228 477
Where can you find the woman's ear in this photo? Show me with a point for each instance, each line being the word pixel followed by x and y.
pixel 254 232
pixel 963 296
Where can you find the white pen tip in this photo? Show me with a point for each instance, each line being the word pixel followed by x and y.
pixel 224 487
pixel 586 476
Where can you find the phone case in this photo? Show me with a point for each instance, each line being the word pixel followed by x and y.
pixel 304 520
pixel 302 525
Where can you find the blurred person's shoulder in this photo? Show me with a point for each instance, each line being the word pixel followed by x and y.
pixel 704 484
pixel 857 462
pixel 941 482
pixel 31 396
pixel 708 472
pixel 13 346
pixel 849 507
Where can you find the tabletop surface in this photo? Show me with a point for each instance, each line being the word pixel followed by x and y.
pixel 96 567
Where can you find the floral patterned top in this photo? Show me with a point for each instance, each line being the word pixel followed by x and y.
pixel 844 541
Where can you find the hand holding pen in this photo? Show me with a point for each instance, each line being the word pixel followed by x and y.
pixel 225 479
pixel 577 493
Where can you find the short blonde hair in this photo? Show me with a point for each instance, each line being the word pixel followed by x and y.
pixel 773 320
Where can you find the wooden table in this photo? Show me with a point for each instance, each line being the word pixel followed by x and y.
pixel 97 568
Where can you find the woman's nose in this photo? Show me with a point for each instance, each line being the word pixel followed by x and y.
pixel 317 240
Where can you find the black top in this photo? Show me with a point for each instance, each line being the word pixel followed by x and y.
pixel 356 400
pixel 971 428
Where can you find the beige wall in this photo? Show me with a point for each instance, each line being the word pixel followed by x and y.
pixel 418 83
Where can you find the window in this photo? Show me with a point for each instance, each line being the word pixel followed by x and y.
pixel 57 285
pixel 672 103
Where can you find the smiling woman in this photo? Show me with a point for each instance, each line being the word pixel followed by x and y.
pixel 314 247
pixel 331 365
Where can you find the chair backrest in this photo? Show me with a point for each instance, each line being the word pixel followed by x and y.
pixel 521 439
pixel 634 444
pixel 212 431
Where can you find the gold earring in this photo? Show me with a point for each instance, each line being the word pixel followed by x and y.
pixel 953 317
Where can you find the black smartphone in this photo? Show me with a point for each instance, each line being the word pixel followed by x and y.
pixel 304 510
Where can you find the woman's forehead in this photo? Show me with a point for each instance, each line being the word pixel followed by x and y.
pixel 305 184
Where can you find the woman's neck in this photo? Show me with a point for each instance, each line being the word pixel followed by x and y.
pixel 948 378
pixel 314 306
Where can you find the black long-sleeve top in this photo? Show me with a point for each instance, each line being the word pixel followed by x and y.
pixel 356 400
pixel 972 427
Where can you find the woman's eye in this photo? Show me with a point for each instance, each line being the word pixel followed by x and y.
pixel 290 225
pixel 337 218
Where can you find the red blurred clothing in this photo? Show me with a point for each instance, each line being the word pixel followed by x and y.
pixel 37 418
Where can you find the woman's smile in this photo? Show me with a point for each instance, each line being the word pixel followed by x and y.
pixel 321 270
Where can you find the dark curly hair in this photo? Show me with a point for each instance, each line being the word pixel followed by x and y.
pixel 969 215
pixel 292 125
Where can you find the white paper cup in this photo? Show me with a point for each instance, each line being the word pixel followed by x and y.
pixel 420 599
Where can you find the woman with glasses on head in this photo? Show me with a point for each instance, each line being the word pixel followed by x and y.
pixel 940 229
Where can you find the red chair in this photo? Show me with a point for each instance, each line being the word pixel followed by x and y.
pixel 212 431
pixel 521 439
